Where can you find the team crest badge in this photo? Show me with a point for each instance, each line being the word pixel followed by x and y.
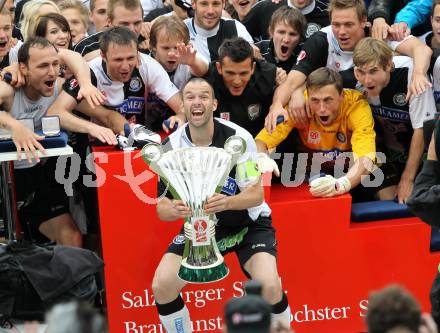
pixel 314 137
pixel 73 84
pixel 341 137
pixel 254 111
pixel 135 84
pixel 179 239
pixel 399 99
pixel 225 116
pixel 312 28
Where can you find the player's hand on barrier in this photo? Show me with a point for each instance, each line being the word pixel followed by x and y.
pixel 266 164
pixel 271 121
pixel 91 94
pixel 298 109
pixel 173 122
pixel 399 31
pixel 103 134
pixel 25 139
pixel 328 186
pixel 404 190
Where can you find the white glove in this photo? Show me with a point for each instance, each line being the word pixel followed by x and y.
pixel 266 164
pixel 329 186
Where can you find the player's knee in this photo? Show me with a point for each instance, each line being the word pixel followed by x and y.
pixel 163 287
pixel 272 291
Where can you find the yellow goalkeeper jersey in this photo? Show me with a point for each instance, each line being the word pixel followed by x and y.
pixel 352 130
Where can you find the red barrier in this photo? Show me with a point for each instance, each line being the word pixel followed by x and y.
pixel 328 265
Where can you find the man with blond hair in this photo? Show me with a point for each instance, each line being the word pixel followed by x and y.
pixel 399 123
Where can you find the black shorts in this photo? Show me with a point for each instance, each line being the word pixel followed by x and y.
pixel 258 236
pixel 39 197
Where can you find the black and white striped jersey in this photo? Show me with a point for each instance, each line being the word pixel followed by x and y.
pixel 207 42
pixel 128 98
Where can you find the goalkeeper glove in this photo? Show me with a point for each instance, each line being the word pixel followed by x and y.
pixel 329 186
pixel 266 164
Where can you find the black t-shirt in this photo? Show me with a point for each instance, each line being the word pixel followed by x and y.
pixel 267 51
pixel 258 19
pixel 250 109
pixel 157 12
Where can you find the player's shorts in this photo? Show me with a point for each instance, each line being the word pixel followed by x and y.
pixel 39 197
pixel 258 236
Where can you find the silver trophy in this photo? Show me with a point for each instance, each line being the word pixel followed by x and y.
pixel 193 175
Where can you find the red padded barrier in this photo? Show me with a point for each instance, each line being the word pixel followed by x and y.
pixel 328 265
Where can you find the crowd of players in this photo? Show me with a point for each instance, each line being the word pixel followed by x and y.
pixel 311 78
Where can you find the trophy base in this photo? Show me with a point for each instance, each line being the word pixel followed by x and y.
pixel 203 275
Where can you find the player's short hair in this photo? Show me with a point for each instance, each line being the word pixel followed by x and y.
pixel 372 51
pixel 42 22
pixel 174 28
pixel 5 11
pixel 128 4
pixel 291 17
pixel 117 35
pixel 78 5
pixel 392 307
pixel 200 80
pixel 358 5
pixel 323 77
pixel 237 49
pixel 38 42
pixel 434 3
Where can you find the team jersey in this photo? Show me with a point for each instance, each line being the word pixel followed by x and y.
pixel 91 43
pixel 352 130
pixel 394 117
pixel 207 42
pixel 268 53
pixel 257 20
pixel 426 38
pixel 223 129
pixel 23 107
pixel 323 50
pixel 128 98
pixel 11 57
pixel 250 108
pixel 157 109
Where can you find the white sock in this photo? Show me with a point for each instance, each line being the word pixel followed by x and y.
pixel 177 322
pixel 283 318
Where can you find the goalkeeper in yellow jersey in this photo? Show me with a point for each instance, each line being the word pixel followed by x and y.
pixel 341 122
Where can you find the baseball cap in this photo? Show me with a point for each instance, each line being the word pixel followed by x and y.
pixel 248 314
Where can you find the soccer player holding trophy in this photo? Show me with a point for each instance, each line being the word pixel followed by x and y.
pixel 242 218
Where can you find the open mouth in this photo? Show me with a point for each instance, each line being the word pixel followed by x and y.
pixel 197 113
pixel 61 44
pixel 3 44
pixel 49 83
pixel 284 50
pixel 324 119
pixel 244 3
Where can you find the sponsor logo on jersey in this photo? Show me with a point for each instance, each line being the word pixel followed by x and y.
pixel 178 323
pixel 301 56
pixel 179 239
pixel 254 111
pixel 73 84
pixel 399 99
pixel 392 114
pixel 230 186
pixel 225 116
pixel 312 28
pixel 33 108
pixel 131 105
pixel 231 240
pixel 341 137
pixel 314 137
pixel 135 84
